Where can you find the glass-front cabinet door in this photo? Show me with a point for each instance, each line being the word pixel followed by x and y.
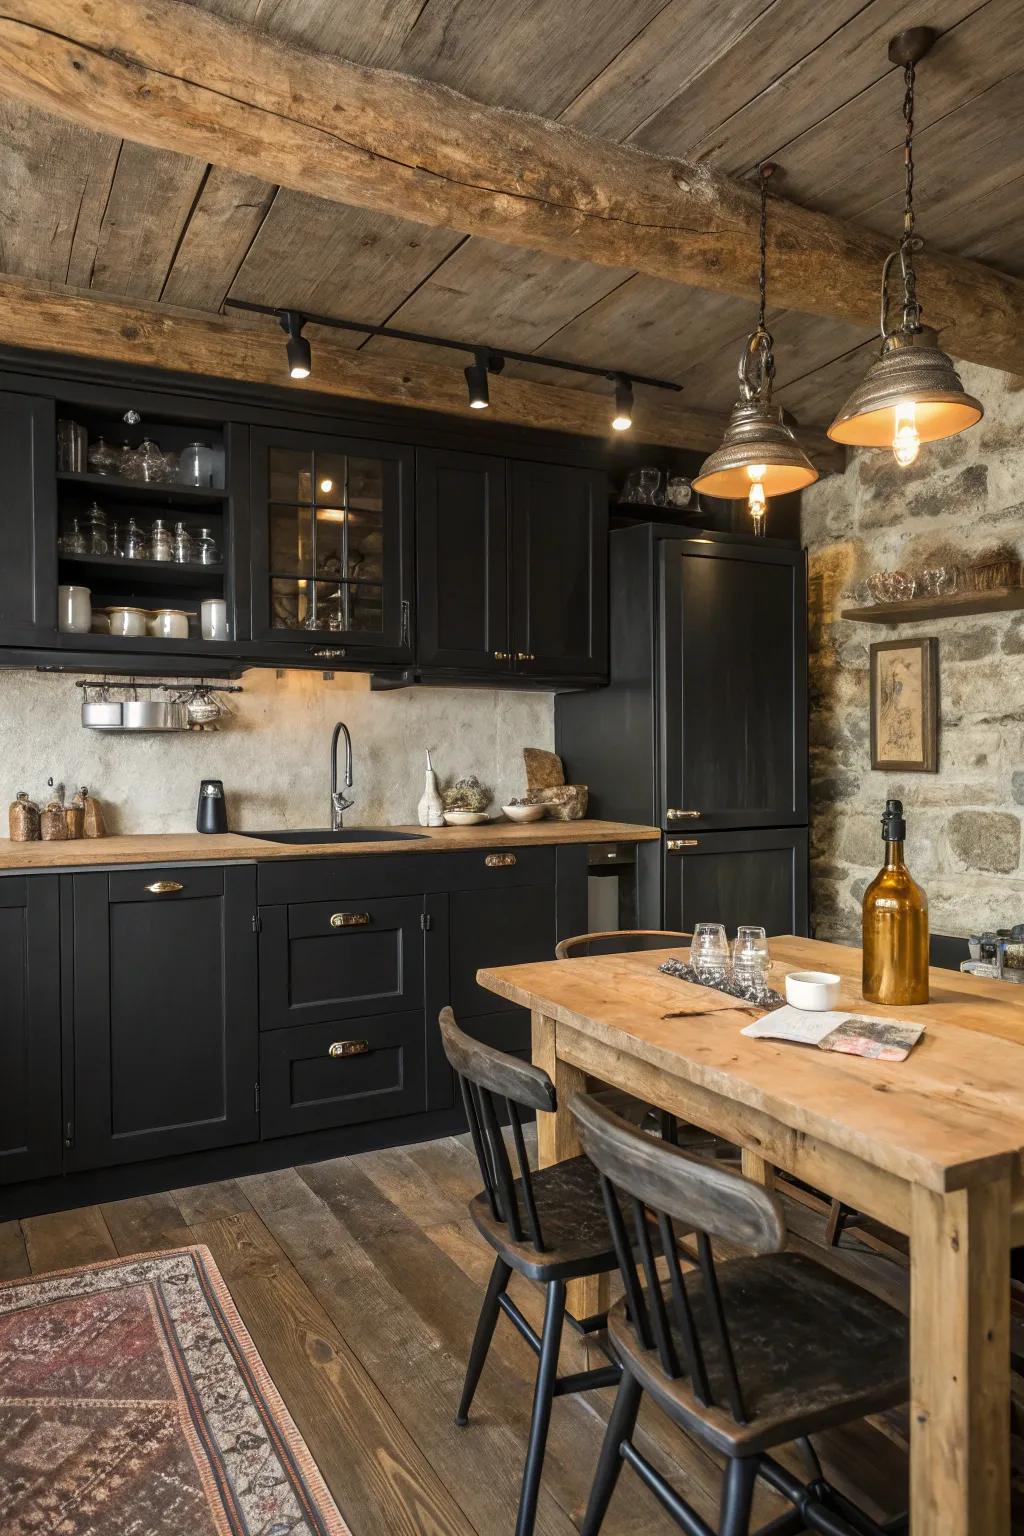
pixel 331 556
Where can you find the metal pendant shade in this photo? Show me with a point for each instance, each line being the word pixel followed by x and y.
pixel 912 369
pixel 755 437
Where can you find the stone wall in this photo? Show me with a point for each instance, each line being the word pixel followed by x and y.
pixel 273 754
pixel 964 829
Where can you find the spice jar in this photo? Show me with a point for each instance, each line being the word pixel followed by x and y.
pixel 23 819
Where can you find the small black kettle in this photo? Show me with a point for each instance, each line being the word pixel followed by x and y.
pixel 212 811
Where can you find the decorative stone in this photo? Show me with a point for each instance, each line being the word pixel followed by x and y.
pixel 1017 787
pixel 988 840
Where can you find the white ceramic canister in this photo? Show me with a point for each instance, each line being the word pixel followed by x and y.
pixel 74 610
pixel 214 613
pixel 128 623
pixel 169 624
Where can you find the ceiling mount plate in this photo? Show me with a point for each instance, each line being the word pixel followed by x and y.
pixel 910 47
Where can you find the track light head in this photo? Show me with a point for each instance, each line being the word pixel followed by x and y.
pixel 623 417
pixel 300 355
pixel 484 362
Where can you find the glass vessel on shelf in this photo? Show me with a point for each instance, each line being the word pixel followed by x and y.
pixel 205 549
pixel 147 463
pixel 182 544
pixel 97 538
pixel 195 465
pixel 161 545
pixel 103 459
pixel 72 540
pixel 136 543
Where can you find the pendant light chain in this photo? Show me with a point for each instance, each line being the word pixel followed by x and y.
pixel 763 245
pixel 909 241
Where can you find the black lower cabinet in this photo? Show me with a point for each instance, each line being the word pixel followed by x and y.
pixel 324 1075
pixel 497 927
pixel 30 1096
pixel 738 877
pixel 165 1013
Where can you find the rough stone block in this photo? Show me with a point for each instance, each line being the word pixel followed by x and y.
pixel 986 840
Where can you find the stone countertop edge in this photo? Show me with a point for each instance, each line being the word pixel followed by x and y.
pixel 216 848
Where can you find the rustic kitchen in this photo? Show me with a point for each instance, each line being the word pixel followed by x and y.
pixel 512 909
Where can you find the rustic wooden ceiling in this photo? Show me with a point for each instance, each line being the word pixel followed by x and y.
pixel 726 81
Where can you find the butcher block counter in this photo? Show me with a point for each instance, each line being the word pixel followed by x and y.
pixel 178 847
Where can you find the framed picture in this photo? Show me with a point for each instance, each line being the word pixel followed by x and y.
pixel 905 705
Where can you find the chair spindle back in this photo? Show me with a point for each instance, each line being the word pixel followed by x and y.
pixel 619 941
pixel 663 1190
pixel 489 1078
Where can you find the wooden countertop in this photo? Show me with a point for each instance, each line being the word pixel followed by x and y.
pixel 178 847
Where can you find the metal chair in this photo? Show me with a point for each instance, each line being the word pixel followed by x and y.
pixel 745 1354
pixel 625 941
pixel 549 1225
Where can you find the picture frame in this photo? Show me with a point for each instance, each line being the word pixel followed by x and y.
pixel 905 705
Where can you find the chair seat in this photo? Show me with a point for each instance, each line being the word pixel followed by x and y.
pixel 812 1350
pixel 573 1224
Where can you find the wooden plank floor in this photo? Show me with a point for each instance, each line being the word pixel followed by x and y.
pixel 360 1280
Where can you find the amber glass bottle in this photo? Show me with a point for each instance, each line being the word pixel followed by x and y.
pixel 895 924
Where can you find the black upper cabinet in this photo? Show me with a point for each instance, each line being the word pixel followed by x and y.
pixel 734 669
pixel 28 571
pixel 512 567
pixel 462 561
pixel 331 546
pixel 30 1101
pixel 559 570
pixel 165 1012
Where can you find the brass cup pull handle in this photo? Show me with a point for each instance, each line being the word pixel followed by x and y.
pixel 525 656
pixel 684 815
pixel 675 844
pixel 349 919
pixel 349 1048
pixel 502 655
pixel 164 887
pixel 499 860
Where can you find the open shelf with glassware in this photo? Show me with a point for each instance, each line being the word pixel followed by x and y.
pixel 951 606
pixel 141 530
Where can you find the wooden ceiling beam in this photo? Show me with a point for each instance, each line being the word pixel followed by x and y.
pixel 172 76
pixel 39 318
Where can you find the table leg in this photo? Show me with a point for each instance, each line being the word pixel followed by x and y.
pixel 557 1140
pixel 756 1169
pixel 960 1362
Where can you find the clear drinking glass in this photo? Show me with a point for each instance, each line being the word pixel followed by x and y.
pixel 206 551
pixel 709 951
pixel 182 544
pixel 136 544
pixel 160 544
pixel 750 950
pixel 650 479
pixel 72 540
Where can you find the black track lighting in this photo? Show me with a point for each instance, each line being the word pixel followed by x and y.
pixel 484 362
pixel 300 355
pixel 623 418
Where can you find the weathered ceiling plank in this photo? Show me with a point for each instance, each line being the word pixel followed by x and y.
pixel 130 248
pixel 213 244
pixel 214 346
pixel 387 142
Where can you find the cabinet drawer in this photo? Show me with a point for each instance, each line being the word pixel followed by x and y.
pixel 286 881
pixel 164 883
pixel 496 927
pixel 377 1070
pixel 328 960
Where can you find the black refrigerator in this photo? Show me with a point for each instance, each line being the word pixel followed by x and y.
pixel 702 730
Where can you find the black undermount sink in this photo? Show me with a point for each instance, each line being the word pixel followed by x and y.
pixel 345 835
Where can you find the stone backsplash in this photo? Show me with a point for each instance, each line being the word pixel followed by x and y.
pixel 964 822
pixel 273 754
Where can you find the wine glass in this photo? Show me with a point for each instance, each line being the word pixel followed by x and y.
pixel 709 951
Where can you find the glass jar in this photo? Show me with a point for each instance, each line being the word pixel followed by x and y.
pixel 114 540
pixel 161 545
pixel 103 459
pixel 97 539
pixel 72 540
pixel 206 550
pixel 195 465
pixel 168 624
pixel 72 446
pixel 182 544
pixel 74 610
pixel 136 544
pixel 214 615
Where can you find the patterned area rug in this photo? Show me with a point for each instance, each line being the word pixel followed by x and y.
pixel 133 1403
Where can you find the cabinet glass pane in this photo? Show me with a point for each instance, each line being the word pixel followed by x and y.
pixel 366 605
pixel 301 604
pixel 291 539
pixel 291 474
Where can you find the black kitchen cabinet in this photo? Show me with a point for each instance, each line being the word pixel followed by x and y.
pixel 559 540
pixel 28 571
pixel 164 1013
pixel 30 1096
pixel 462 562
pixel 737 877
pixel 331 546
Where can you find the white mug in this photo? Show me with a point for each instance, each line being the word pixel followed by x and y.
pixel 74 610
pixel 215 619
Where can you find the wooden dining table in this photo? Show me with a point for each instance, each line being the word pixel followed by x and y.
pixel 931 1146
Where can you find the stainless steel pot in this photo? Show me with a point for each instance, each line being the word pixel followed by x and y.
pixel 145 715
pixel 101 714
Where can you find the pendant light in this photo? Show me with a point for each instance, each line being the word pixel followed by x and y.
pixel 759 456
pixel 912 393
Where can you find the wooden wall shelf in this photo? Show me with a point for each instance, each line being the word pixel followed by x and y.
pixel 996 600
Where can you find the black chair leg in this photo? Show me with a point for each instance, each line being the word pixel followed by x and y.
pixel 543 1394
pixel 737 1496
pixel 483 1336
pixel 609 1465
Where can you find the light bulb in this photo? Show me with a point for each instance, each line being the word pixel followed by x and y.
pixel 757 472
pixel 756 504
pixel 905 442
pixel 327 486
